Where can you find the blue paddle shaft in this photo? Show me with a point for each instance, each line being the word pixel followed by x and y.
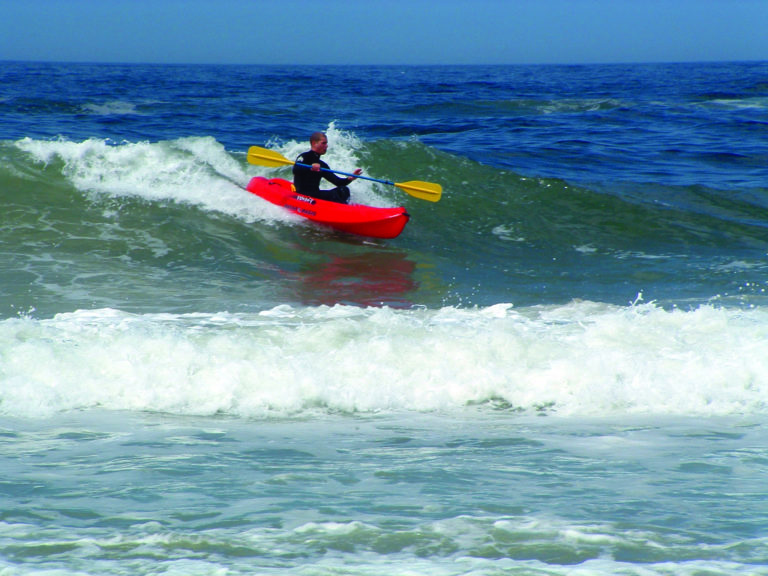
pixel 348 174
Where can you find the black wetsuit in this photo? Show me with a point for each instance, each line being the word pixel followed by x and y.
pixel 307 181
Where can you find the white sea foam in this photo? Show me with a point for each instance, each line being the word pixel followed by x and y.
pixel 194 171
pixel 197 171
pixel 579 359
pixel 112 107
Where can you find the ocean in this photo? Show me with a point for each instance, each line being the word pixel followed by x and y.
pixel 561 368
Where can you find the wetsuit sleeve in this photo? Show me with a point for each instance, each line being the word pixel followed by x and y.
pixel 334 179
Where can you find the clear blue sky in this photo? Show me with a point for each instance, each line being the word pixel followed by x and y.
pixel 384 31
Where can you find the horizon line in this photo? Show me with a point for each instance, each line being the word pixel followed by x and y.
pixel 383 65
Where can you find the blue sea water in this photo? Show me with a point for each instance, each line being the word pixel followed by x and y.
pixel 560 368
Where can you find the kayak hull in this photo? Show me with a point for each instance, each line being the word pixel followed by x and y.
pixel 351 218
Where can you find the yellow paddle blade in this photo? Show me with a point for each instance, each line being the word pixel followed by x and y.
pixel 424 190
pixel 265 157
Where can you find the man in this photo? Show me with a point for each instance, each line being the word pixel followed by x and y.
pixel 307 179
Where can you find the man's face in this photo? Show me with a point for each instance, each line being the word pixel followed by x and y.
pixel 321 146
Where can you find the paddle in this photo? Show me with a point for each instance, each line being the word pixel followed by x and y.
pixel 424 190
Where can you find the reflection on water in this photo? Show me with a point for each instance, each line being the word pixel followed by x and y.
pixel 369 279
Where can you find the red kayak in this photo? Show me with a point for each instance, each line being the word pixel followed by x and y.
pixel 353 218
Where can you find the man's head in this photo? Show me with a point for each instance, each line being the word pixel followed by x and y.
pixel 319 143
